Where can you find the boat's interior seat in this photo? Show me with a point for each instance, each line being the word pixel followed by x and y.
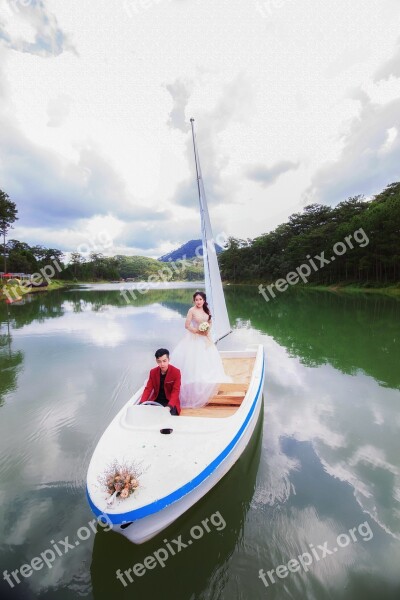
pixel 224 403
pixel 209 411
pixel 229 396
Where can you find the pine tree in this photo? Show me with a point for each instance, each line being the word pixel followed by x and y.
pixel 8 215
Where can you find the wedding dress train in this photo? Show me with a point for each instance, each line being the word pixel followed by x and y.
pixel 201 368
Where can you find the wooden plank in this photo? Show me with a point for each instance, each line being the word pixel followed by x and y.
pixel 232 387
pixel 214 411
pixel 227 401
pixel 229 395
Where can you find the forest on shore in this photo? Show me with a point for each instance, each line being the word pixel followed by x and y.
pixel 371 258
pixel 372 227
pixel 22 258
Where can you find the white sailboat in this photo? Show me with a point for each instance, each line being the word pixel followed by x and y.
pixel 183 457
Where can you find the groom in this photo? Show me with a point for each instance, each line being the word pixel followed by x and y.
pixel 164 383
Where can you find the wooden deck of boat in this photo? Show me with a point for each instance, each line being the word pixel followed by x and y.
pixel 228 396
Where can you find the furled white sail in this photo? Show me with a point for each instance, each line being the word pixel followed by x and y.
pixel 212 277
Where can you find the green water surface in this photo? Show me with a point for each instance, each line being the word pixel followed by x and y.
pixel 324 460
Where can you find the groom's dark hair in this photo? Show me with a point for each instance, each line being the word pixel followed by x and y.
pixel 160 352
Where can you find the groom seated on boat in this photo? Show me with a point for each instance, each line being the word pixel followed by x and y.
pixel 164 384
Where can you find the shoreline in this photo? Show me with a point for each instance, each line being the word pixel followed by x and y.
pixel 23 291
pixel 337 288
pixel 390 290
pixel 58 284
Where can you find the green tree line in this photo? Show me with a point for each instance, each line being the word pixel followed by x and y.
pixel 23 258
pixel 138 268
pixel 318 228
pixel 266 258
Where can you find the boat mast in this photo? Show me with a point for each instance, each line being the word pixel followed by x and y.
pixel 203 220
pixel 196 161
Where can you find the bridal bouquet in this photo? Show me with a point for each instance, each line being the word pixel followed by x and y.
pixel 120 480
pixel 204 327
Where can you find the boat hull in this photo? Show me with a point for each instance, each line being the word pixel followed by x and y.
pixel 241 427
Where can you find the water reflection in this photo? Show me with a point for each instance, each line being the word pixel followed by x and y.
pixel 200 568
pixel 349 332
pixel 329 453
pixel 10 359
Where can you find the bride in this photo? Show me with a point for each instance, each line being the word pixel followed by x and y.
pixel 197 357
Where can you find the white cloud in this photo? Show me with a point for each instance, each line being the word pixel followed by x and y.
pixel 370 157
pixel 391 68
pixel 96 100
pixel 58 109
pixel 268 175
pixel 180 93
pixel 30 27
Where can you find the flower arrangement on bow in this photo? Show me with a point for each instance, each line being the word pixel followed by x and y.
pixel 203 327
pixel 120 480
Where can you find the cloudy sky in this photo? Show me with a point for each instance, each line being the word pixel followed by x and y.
pixel 295 101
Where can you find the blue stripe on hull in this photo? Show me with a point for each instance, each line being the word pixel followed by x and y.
pixel 158 505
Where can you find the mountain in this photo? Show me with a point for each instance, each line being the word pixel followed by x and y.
pixel 188 250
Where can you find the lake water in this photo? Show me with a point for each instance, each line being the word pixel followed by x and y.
pixel 320 479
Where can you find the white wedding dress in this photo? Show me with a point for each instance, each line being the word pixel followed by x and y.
pixel 201 367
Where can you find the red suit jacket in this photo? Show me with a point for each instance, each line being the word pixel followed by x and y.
pixel 172 386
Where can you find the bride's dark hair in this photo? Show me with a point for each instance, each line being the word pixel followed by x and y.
pixel 206 308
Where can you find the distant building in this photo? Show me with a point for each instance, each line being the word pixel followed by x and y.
pixel 21 276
